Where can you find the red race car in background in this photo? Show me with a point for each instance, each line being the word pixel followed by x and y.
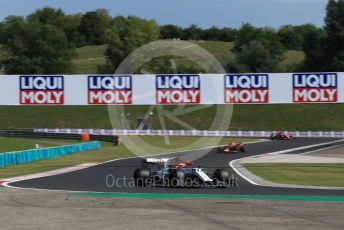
pixel 232 147
pixel 281 136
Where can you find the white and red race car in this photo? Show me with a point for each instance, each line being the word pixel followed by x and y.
pixel 174 172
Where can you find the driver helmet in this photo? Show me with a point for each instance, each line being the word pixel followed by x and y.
pixel 233 143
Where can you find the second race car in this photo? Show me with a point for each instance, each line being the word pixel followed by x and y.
pixel 281 136
pixel 232 147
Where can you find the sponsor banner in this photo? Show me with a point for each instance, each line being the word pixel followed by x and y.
pixel 327 134
pixel 97 132
pixel 53 130
pixel 222 133
pixel 313 87
pixel 315 134
pixel 215 133
pixel 41 90
pixel 109 90
pixel 178 89
pixel 294 133
pixel 75 131
pixel 107 132
pixel 172 89
pixel 154 132
pixel 338 134
pixel 246 89
pixel 233 133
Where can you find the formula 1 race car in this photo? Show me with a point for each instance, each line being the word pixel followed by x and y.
pixel 174 172
pixel 281 136
pixel 232 148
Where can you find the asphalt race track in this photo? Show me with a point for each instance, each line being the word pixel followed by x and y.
pixel 94 178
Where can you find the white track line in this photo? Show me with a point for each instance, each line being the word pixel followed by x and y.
pixel 49 173
pixel 317 150
pixel 231 164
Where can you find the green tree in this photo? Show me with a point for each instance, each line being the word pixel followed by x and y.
pixel 313 49
pixel 293 37
pixel 69 24
pixel 333 42
pixel 213 34
pixel 228 34
pixel 268 37
pixel 246 34
pixel 270 40
pixel 48 16
pixel 93 26
pixel 124 37
pixel 324 50
pixel 35 48
pixel 255 58
pixel 290 37
pixel 170 31
pixel 193 32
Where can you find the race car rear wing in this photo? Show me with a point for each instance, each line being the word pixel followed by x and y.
pixel 204 177
pixel 155 161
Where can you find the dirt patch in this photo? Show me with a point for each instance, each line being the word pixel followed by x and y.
pixel 29 209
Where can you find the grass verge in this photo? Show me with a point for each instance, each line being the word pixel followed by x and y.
pixel 107 152
pixel 10 144
pixel 245 117
pixel 329 175
pixel 88 59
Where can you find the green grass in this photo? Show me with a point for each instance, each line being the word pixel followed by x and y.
pixel 107 152
pixel 293 57
pixel 88 59
pixel 289 117
pixel 91 56
pixel 220 50
pixel 9 144
pixel 245 117
pixel 330 175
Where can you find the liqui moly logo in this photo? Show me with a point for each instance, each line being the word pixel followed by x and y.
pixel 313 87
pixel 178 89
pixel 41 90
pixel 105 90
pixel 247 89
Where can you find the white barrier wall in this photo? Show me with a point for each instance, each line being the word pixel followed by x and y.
pixel 172 89
pixel 213 133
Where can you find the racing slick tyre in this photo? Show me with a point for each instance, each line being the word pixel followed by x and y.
pixel 221 178
pixel 273 137
pixel 188 182
pixel 175 177
pixel 242 149
pixel 141 176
